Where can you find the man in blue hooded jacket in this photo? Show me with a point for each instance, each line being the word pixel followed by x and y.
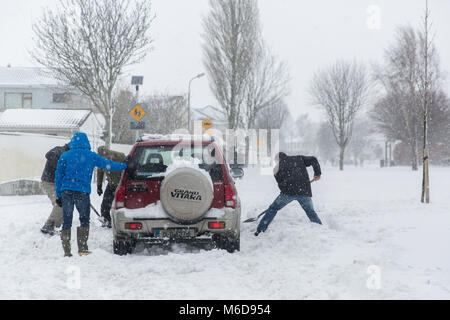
pixel 73 178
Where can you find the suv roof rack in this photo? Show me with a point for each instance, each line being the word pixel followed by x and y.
pixel 174 137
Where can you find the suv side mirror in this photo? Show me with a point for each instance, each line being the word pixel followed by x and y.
pixel 237 173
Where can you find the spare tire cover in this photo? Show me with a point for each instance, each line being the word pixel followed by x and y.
pixel 186 194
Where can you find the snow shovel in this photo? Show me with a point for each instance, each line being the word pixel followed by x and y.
pixel 96 212
pixel 257 218
pixel 100 218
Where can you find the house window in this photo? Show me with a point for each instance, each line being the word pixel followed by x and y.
pixel 61 97
pixel 18 100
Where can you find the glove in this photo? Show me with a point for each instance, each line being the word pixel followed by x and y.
pixel 99 191
pixel 59 202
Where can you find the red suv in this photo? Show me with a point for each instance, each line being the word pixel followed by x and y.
pixel 176 189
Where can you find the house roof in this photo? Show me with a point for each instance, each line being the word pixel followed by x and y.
pixel 36 119
pixel 25 77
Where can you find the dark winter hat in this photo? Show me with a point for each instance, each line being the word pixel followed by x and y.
pixel 281 156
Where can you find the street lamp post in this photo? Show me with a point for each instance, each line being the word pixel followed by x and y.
pixel 189 99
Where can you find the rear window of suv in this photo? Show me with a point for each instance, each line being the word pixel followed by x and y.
pixel 150 162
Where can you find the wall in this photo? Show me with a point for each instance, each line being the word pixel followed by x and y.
pixel 22 155
pixel 21 188
pixel 42 98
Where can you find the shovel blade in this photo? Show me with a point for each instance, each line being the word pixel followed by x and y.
pixel 256 218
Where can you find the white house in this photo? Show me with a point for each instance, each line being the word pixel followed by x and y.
pixel 32 88
pixel 31 101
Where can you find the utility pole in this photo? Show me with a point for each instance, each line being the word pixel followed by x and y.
pixel 189 99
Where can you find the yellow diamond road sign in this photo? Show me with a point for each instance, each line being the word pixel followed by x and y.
pixel 207 124
pixel 138 113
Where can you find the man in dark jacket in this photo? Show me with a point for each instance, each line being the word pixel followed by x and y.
pixel 113 179
pixel 48 186
pixel 73 178
pixel 294 183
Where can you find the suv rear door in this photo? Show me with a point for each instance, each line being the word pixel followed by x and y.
pixel 148 165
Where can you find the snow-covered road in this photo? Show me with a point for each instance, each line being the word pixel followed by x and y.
pixel 378 242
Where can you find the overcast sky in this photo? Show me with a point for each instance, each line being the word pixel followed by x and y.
pixel 306 34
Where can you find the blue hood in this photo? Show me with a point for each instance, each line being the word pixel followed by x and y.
pixel 80 141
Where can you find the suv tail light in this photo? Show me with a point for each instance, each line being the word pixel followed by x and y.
pixel 120 197
pixel 230 197
pixel 133 226
pixel 216 225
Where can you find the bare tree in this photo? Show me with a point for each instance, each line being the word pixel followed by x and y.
pixel 398 79
pixel 362 143
pixel 389 120
pixel 120 123
pixel 425 82
pixel 327 148
pixel 412 106
pixel 341 90
pixel 231 34
pixel 271 118
pixel 267 83
pixel 167 113
pixel 306 133
pixel 87 44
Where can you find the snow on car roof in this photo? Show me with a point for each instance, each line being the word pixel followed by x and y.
pixel 174 137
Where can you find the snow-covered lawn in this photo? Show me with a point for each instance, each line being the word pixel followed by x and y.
pixel 378 242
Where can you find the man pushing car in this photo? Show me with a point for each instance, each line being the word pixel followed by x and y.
pixel 113 179
pixel 73 178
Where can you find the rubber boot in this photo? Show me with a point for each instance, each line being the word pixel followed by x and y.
pixel 49 229
pixel 65 239
pixel 82 238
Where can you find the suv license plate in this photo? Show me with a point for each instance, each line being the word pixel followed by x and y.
pixel 175 233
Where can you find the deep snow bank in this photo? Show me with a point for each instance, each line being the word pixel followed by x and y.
pixel 378 242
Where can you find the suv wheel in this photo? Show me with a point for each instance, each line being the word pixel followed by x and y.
pixel 122 248
pixel 226 243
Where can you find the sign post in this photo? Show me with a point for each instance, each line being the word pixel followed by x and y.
pixel 138 114
pixel 136 111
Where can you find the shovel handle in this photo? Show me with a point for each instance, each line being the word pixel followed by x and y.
pixel 255 218
pixel 96 212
